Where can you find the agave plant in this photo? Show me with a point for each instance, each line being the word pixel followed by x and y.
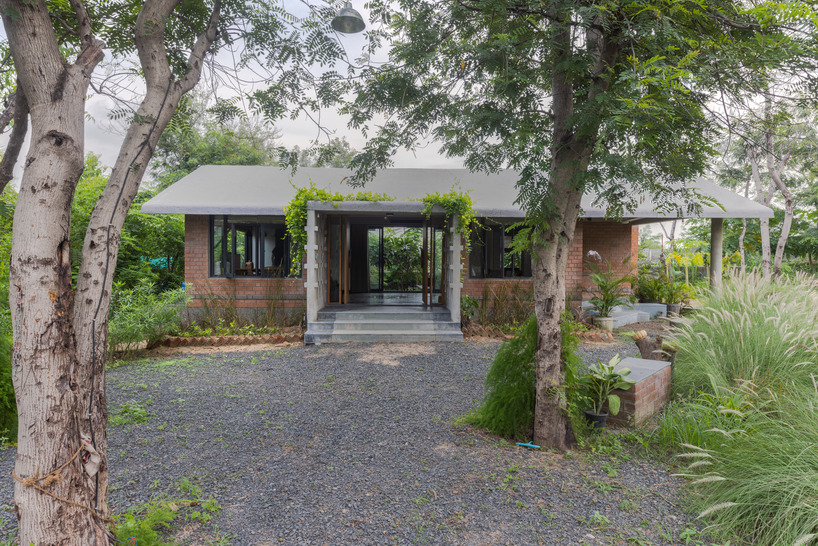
pixel 601 380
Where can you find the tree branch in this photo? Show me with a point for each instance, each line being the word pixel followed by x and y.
pixel 8 113
pixel 83 24
pixel 149 37
pixel 16 139
pixel 200 48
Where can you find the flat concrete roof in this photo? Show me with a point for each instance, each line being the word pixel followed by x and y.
pixel 243 190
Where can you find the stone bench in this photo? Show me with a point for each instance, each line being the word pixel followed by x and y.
pixel 650 393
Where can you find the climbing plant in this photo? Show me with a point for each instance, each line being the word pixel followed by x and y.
pixel 295 215
pixel 457 205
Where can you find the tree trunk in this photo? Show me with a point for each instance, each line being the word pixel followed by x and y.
pixel 775 173
pixel 551 425
pixel 764 199
pixel 44 363
pixel 59 342
pixel 743 233
pixel 570 156
pixel 789 209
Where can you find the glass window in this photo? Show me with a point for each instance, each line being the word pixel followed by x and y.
pixel 247 246
pixel 491 255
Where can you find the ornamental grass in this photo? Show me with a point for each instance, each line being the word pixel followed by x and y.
pixel 745 421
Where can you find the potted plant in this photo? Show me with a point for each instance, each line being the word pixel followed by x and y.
pixel 676 293
pixel 597 387
pixel 610 293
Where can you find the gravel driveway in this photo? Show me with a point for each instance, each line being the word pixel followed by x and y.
pixel 356 444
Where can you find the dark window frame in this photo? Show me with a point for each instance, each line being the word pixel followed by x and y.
pixel 258 230
pixel 481 233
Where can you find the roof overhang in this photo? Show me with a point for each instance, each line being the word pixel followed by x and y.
pixel 244 190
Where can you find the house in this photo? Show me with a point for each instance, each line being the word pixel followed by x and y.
pixel 236 246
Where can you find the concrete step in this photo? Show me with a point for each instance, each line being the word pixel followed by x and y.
pixel 401 325
pixel 621 318
pixel 381 336
pixel 441 314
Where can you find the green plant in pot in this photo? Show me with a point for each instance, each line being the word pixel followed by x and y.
pixel 598 385
pixel 676 293
pixel 610 293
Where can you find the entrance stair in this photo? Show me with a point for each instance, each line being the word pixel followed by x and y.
pixel 382 324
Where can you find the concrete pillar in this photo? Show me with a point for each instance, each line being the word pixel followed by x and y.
pixel 455 271
pixel 311 265
pixel 716 252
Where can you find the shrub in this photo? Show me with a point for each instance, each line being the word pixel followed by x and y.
pixel 610 291
pixel 755 329
pixel 508 406
pixel 140 314
pixel 747 418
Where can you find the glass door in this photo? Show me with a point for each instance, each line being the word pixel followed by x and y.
pixel 433 257
pixel 337 259
pixel 375 258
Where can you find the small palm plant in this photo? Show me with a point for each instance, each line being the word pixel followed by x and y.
pixel 599 383
pixel 610 290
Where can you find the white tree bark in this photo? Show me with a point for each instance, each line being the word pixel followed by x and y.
pixel 59 343
pixel 776 169
pixel 743 233
pixel 765 199
pixel 44 364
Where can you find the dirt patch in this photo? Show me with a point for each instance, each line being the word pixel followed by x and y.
pixel 162 352
pixel 658 326
pixel 390 355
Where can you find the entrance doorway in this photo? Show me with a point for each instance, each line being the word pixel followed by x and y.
pixel 386 262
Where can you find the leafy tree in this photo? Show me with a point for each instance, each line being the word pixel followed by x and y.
pixel 200 138
pixel 574 96
pixel 60 331
pixel 337 153
pixel 401 255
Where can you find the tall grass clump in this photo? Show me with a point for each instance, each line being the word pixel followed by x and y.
pixel 508 406
pixel 140 314
pixel 746 421
pixel 765 330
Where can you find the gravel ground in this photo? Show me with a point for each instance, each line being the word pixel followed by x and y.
pixel 357 444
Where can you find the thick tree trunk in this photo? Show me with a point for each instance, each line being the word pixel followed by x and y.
pixel 59 343
pixel 45 367
pixel 552 427
pixel 571 150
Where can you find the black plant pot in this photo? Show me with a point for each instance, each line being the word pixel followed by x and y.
pixel 598 420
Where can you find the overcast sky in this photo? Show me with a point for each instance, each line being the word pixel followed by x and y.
pixel 104 138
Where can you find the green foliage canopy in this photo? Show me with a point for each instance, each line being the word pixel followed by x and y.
pixel 480 78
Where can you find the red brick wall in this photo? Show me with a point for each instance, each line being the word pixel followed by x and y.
pixel 644 399
pixel 249 292
pixel 612 240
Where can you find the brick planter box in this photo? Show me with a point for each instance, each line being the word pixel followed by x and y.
pixel 647 396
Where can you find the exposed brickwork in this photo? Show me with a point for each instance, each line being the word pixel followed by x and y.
pixel 612 240
pixel 644 399
pixel 249 292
